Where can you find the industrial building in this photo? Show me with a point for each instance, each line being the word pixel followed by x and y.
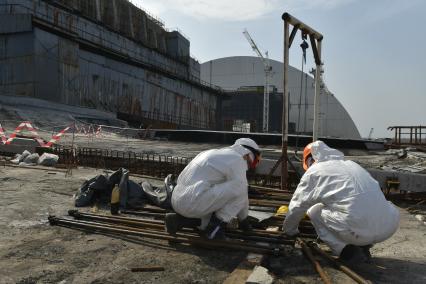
pixel 243 77
pixel 112 56
pixel 103 54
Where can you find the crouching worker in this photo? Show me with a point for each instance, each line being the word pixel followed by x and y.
pixel 345 204
pixel 213 189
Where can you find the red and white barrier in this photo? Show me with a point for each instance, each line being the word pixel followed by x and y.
pixel 18 130
pixel 57 137
pixel 2 135
pixel 90 130
pixel 27 125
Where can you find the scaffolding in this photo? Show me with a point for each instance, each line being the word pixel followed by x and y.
pixel 409 135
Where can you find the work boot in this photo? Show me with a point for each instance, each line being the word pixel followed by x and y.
pixel 245 225
pixel 175 222
pixel 353 254
pixel 366 250
pixel 215 229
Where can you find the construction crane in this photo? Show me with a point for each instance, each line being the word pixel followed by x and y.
pixel 370 134
pixel 268 74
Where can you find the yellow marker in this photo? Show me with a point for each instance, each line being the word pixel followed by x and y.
pixel 115 200
pixel 283 210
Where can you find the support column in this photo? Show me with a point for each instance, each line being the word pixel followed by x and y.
pixel 98 10
pixel 132 30
pixel 317 98
pixel 284 169
pixel 115 13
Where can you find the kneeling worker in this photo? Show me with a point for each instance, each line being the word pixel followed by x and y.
pixel 345 204
pixel 213 189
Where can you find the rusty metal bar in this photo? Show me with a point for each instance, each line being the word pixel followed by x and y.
pixel 239 245
pixel 285 116
pixel 147 269
pixel 255 235
pixel 308 253
pixel 339 265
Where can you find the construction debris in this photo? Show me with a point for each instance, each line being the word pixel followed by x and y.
pixel 28 159
pixel 260 275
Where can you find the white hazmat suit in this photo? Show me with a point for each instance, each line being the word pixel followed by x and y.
pixel 214 182
pixel 345 204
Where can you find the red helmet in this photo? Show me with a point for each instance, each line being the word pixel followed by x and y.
pixel 306 155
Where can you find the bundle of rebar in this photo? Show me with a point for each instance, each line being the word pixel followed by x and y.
pixel 259 241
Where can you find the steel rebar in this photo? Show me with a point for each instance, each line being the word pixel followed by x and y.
pixel 308 253
pixel 352 274
pixel 252 247
pixel 154 224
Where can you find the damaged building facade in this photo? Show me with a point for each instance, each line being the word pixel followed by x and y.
pixel 104 54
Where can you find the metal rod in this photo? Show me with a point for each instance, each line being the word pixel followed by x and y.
pixel 155 224
pixel 116 220
pixel 267 203
pixel 339 265
pixel 179 239
pixel 317 97
pixel 256 187
pixel 147 269
pixel 284 169
pixel 308 253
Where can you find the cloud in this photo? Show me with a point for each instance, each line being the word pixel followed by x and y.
pixel 234 10
pixel 376 13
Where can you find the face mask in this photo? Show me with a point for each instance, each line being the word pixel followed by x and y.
pixel 310 161
pixel 254 162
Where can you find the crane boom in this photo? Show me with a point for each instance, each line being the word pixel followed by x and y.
pixel 256 49
pixel 268 74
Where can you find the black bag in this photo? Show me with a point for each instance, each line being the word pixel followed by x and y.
pixel 160 196
pixel 98 187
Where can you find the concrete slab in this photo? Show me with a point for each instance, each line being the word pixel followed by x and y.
pixel 260 275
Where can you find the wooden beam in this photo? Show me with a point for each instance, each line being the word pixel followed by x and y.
pixel 293 34
pixel 305 28
pixel 315 50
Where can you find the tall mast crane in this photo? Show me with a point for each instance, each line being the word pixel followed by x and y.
pixel 268 73
pixel 371 133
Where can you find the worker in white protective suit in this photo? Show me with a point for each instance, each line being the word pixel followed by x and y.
pixel 213 189
pixel 344 203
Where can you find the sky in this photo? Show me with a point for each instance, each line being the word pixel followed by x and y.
pixel 374 51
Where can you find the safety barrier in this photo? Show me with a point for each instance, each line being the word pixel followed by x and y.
pixel 26 125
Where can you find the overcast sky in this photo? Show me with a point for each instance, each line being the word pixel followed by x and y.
pixel 373 51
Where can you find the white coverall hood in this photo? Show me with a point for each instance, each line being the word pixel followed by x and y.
pixel 242 150
pixel 321 152
pixel 345 204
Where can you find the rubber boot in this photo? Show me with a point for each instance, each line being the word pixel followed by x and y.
pixel 353 254
pixel 366 250
pixel 215 229
pixel 175 222
pixel 245 225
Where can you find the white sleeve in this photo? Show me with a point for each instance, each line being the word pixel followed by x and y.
pixel 301 201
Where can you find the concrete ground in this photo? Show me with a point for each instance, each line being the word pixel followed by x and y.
pixel 32 251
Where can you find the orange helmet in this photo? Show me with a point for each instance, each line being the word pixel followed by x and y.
pixel 306 154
